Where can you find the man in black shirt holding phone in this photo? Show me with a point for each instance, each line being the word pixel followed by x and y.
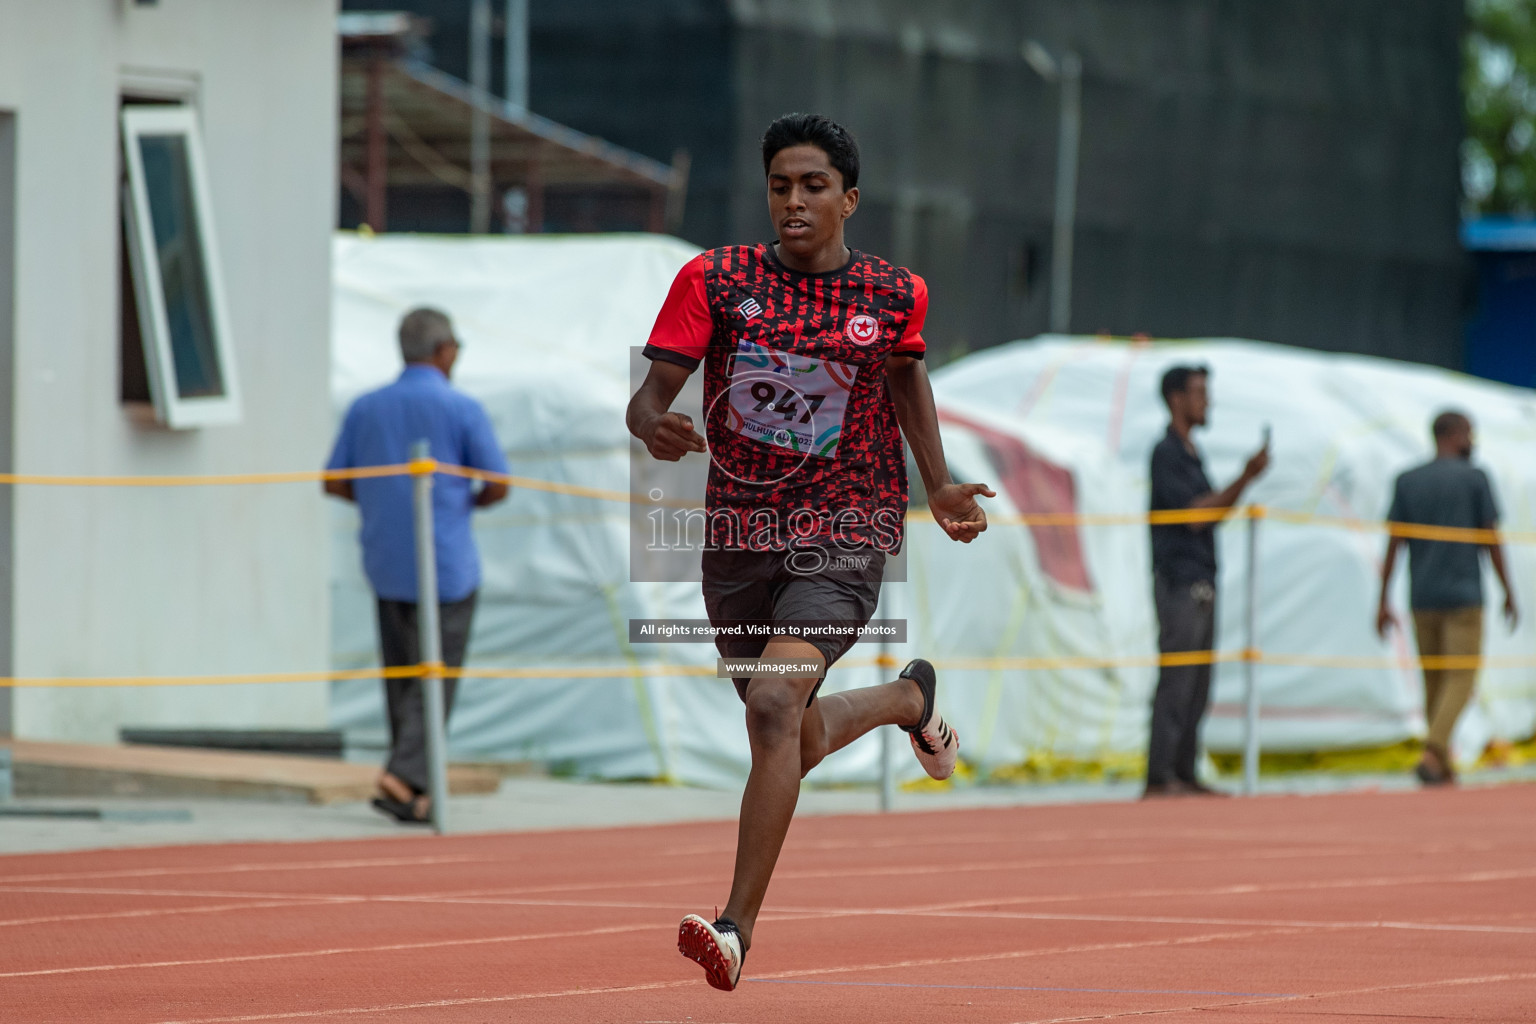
pixel 1184 582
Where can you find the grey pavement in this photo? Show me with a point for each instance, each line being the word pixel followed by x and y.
pixel 539 803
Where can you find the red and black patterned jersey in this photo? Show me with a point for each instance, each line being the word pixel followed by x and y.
pixel 801 427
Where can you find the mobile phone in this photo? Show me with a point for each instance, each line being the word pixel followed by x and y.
pixel 1266 436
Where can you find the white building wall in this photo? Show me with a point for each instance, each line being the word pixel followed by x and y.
pixel 127 582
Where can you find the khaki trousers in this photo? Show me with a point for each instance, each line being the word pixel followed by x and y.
pixel 1447 631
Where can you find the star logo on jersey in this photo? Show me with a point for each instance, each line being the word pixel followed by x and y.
pixel 863 329
pixel 750 309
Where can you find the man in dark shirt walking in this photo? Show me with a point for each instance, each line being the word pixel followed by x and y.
pixel 1445 579
pixel 1184 582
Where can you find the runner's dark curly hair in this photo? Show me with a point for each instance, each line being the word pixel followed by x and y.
pixel 819 131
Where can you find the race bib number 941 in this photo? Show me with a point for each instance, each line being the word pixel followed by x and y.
pixel 789 401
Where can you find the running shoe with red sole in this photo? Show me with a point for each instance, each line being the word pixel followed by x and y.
pixel 936 745
pixel 714 946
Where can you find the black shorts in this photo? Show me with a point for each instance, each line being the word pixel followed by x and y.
pixel 763 587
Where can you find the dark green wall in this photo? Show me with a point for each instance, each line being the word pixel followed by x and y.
pixel 1285 170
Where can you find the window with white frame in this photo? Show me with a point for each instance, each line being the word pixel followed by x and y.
pixel 173 259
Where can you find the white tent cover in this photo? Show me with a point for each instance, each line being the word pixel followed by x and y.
pixel 1054 424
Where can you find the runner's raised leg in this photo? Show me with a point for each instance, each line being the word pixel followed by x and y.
pixel 837 719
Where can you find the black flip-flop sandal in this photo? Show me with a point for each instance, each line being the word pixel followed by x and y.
pixel 403 812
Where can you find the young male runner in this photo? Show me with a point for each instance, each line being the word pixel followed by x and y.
pixel 813 371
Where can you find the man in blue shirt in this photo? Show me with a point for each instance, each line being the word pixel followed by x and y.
pixel 379 430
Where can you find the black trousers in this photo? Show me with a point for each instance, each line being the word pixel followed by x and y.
pixel 1186 616
pixel 400 644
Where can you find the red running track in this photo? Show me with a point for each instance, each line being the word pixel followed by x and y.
pixel 1362 907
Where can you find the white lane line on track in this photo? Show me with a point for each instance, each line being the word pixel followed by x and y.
pixel 1266 929
pixel 1126 860
pixel 1086 835
pixel 1022 954
pixel 1269 843
pixel 1369 882
pixel 219 869
pixel 791 874
pixel 941 911
pixel 337 951
pixel 793 913
pixel 1034 838
pixel 115 915
pixel 226 894
pixel 1428 926
pixel 437 1004
pixel 900 870
pixel 1484 979
pixel 509 897
pixel 492 895
pixel 1235 889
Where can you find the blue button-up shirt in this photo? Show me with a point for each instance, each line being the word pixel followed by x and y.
pixel 379 430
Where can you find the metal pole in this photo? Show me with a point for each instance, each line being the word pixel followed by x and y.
pixel 887 738
pixel 1250 659
pixel 431 638
pixel 887 776
pixel 1069 131
pixel 535 186
pixel 887 756
pixel 517 53
pixel 677 191
pixel 377 160
pixel 480 121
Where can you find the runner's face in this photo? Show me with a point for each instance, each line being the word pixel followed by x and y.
pixel 806 199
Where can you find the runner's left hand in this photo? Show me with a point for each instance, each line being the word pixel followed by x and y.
pixel 954 508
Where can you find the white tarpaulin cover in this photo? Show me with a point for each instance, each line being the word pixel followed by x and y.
pixel 1067 425
pixel 1055 425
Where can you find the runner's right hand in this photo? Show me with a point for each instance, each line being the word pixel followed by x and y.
pixel 672 436
pixel 954 508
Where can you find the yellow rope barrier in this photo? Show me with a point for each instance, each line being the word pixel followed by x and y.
pixel 398 672
pixel 548 486
pixel 1429 661
pixel 420 467
pixel 424 466
pixel 1017 664
pixel 1409 531
pixel 215 480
